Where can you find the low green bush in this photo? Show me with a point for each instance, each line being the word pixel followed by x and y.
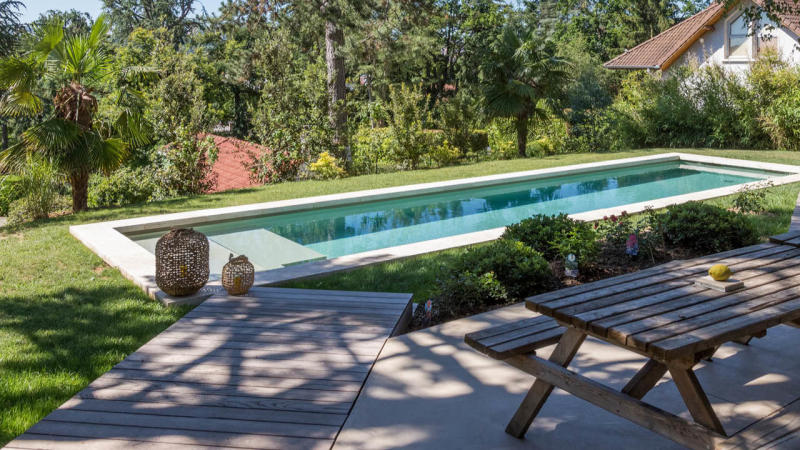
pixel 501 140
pixel 10 191
pixel 371 148
pixel 124 187
pixel 491 275
pixel 706 228
pixel 467 293
pixel 27 209
pixel 543 233
pixel 187 164
pixel 540 147
pixel 407 119
pixel 478 141
pixel 752 199
pixel 580 241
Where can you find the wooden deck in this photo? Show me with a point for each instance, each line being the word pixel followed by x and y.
pixel 280 368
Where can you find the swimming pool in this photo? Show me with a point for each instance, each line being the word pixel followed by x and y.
pixel 274 241
pixel 303 237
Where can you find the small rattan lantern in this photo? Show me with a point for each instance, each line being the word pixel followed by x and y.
pixel 238 275
pixel 182 261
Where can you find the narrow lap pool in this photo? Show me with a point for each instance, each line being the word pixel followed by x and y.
pixel 283 239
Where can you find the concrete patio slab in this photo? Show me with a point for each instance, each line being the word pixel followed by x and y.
pixel 429 389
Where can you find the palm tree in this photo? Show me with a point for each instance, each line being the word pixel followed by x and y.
pixel 69 134
pixel 523 78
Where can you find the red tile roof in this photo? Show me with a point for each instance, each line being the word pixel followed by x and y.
pixel 788 11
pixel 230 168
pixel 661 50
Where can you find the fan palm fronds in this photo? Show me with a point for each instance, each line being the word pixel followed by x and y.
pixel 71 139
pixel 524 79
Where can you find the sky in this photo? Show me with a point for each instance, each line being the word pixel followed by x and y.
pixel 35 7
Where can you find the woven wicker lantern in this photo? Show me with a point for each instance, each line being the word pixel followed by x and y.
pixel 182 262
pixel 238 275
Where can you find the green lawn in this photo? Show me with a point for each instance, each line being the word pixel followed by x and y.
pixel 66 318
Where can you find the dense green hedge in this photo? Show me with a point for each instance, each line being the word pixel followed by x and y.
pixel 710 107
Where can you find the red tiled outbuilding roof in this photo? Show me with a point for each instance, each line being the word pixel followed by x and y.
pixel 230 168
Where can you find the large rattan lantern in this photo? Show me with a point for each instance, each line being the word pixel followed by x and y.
pixel 182 262
pixel 238 275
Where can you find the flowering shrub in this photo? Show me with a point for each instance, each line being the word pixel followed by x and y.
pixel 616 229
pixel 623 231
pixel 325 167
pixel 445 153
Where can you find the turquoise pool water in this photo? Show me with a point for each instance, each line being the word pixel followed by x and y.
pixel 284 239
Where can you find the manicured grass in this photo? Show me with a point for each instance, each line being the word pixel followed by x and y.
pixel 66 318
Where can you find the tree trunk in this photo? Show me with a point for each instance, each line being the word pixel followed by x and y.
pixel 5 134
pixel 241 126
pixel 522 134
pixel 337 108
pixel 80 190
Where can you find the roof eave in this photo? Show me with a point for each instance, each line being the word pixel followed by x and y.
pixel 629 67
pixel 677 52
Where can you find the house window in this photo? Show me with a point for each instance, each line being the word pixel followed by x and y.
pixel 739 41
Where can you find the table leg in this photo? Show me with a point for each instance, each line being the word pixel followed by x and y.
pixel 745 340
pixel 645 379
pixel 570 341
pixel 695 398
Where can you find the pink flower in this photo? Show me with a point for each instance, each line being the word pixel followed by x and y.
pixel 614 218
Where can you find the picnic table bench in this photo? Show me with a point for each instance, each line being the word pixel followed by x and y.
pixel 659 313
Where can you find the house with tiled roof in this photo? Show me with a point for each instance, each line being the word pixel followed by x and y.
pixel 720 34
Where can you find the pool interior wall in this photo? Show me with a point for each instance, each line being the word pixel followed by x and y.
pixel 282 240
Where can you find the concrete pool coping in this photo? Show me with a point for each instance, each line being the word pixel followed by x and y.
pixel 109 241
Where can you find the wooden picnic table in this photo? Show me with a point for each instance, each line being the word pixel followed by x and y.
pixel 660 313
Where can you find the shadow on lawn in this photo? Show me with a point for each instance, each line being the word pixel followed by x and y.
pixel 58 342
pixel 81 329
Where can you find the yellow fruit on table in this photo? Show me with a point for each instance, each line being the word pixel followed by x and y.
pixel 720 272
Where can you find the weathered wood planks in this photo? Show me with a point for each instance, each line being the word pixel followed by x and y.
pixel 665 315
pixel 279 368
